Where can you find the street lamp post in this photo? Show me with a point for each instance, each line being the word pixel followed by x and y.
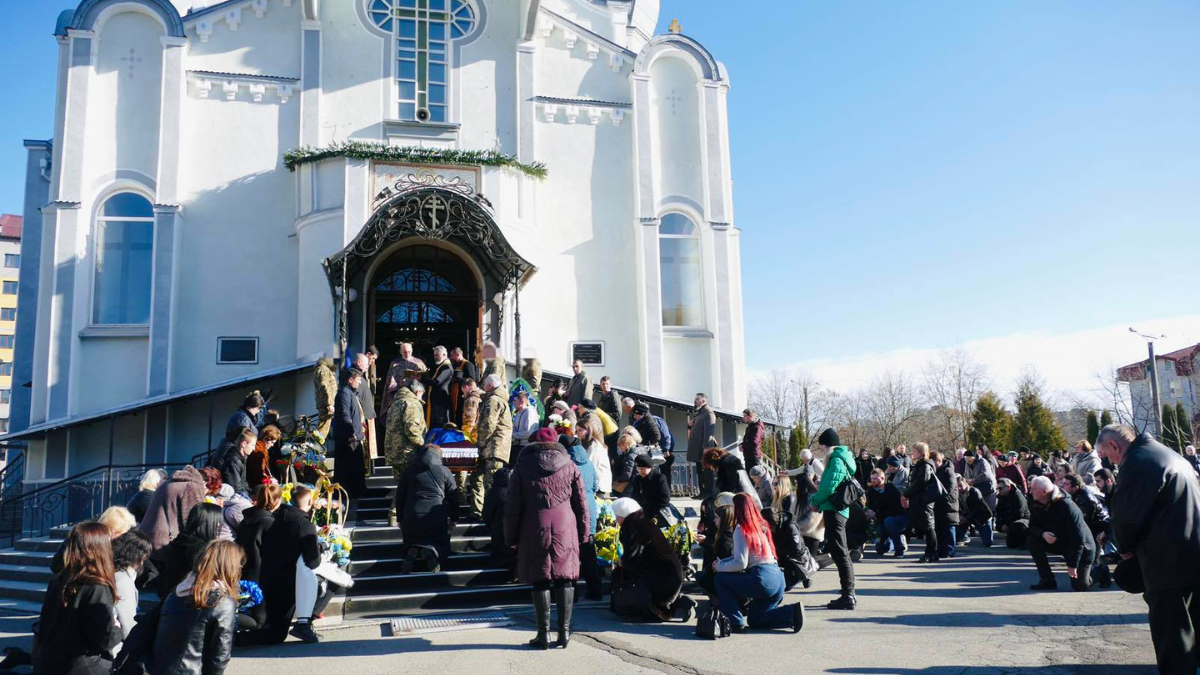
pixel 1155 400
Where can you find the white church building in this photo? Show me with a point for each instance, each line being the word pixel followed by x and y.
pixel 235 187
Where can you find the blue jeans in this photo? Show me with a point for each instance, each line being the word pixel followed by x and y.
pixel 763 586
pixel 892 536
pixel 985 532
pixel 947 542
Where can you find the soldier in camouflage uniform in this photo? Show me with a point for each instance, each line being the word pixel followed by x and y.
pixel 405 431
pixel 325 384
pixel 494 440
pixel 493 364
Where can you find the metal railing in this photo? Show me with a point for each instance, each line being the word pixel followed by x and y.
pixel 80 497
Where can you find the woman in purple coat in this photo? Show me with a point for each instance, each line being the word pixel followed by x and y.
pixel 546 519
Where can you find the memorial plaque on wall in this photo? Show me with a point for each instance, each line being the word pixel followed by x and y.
pixel 591 353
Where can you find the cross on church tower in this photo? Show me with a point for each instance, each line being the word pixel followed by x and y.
pixel 675 100
pixel 133 59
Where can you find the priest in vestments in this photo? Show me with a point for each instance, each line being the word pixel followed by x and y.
pixel 463 370
pixel 437 410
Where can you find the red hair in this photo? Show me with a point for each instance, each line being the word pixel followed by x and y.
pixel 754 528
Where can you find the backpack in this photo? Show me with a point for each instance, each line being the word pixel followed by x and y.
pixel 713 624
pixel 668 442
pixel 848 492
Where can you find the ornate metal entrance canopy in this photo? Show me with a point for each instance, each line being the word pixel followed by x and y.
pixel 429 208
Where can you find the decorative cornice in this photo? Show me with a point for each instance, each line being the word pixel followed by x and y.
pixel 572 108
pixel 230 85
pixel 231 12
pixel 594 43
pixel 717 225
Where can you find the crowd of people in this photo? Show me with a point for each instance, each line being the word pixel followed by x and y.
pixel 544 471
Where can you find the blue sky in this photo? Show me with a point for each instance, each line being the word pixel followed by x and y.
pixel 911 175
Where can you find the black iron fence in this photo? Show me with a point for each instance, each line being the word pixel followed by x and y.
pixel 83 496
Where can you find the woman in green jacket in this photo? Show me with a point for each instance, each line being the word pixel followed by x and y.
pixel 839 467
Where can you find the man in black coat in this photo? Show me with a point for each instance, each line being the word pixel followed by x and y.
pixel 1155 516
pixel 427 502
pixel 651 490
pixel 945 511
pixel 610 399
pixel 290 537
pixel 1059 527
pixel 883 505
pixel 1012 513
pixel 920 497
pixel 644 422
pixel 231 461
pixel 348 436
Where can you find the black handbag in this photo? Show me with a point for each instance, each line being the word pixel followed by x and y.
pixel 713 624
pixel 630 598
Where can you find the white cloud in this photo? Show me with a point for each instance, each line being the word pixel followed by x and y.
pixel 1065 361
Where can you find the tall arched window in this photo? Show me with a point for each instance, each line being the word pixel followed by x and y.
pixel 423 30
pixel 679 267
pixel 124 257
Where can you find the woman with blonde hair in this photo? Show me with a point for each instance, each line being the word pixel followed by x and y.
pixel 196 629
pixel 141 501
pixel 784 499
pixel 623 470
pixel 591 435
pixel 118 520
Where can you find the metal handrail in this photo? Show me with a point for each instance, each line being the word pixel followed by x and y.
pixel 82 496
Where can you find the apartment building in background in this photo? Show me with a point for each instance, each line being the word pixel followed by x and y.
pixel 10 265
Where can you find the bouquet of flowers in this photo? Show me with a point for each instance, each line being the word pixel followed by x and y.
pixel 326 511
pixel 682 540
pixel 249 595
pixel 304 458
pixel 607 537
pixel 338 541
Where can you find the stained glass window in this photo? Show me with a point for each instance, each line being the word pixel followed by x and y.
pixel 423 30
pixel 415 311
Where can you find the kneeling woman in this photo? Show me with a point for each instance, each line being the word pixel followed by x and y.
pixel 195 632
pixel 427 503
pixel 651 575
pixel 751 574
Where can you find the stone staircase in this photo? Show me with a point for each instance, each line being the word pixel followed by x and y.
pixel 469 580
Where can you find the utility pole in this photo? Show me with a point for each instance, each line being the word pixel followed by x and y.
pixel 1155 400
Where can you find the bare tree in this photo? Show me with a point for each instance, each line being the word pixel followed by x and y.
pixel 848 414
pixel 892 401
pixel 813 404
pixel 773 395
pixel 1115 395
pixel 952 383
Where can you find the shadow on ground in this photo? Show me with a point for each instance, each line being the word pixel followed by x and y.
pixel 1066 669
pixel 987 620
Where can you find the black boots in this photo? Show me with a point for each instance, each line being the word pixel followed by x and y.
pixel 303 630
pixel 566 606
pixel 541 612
pixel 845 601
pixel 1045 585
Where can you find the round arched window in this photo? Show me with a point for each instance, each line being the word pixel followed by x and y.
pixel 124 255
pixel 422 32
pixel 679 269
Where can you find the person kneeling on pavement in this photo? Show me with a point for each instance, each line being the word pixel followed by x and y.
pixel 797 563
pixel 752 574
pixel 1096 517
pixel 427 500
pixel 1012 514
pixel 648 582
pixel 891 520
pixel 1057 526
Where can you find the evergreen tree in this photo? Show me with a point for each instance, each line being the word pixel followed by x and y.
pixel 1170 433
pixel 1186 434
pixel 1093 427
pixel 768 447
pixel 1034 425
pixel 794 447
pixel 990 422
pixel 1105 419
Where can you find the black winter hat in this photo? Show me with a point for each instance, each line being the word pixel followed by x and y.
pixel 1128 576
pixel 641 409
pixel 894 461
pixel 643 460
pixel 829 438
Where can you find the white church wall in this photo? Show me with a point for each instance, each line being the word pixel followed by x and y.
pixel 237 251
pixel 484 83
pixel 676 150
pixel 112 372
pixel 356 70
pixel 687 367
pixel 124 98
pixel 265 46
pixel 568 72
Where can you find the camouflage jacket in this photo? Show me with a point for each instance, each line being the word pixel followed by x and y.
pixel 405 427
pixel 495 426
pixel 470 413
pixel 325 383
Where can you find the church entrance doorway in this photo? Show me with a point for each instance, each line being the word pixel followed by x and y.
pixel 428 296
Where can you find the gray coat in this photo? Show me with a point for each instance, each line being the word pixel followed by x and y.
pixel 1086 466
pixel 704 425
pixel 1156 514
pixel 980 475
pixel 579 388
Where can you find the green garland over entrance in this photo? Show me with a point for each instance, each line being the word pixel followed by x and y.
pixel 382 152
